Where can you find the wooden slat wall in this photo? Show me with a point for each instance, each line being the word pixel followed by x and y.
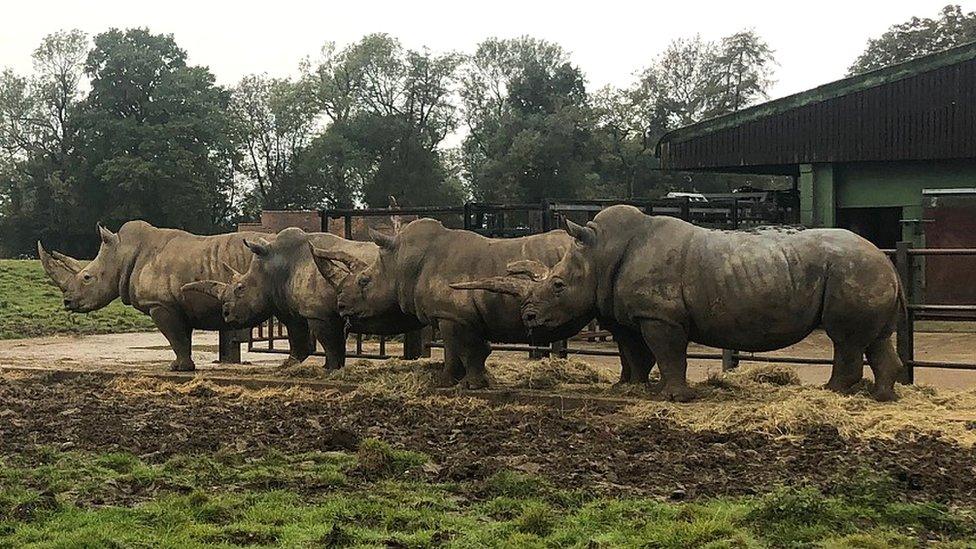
pixel 926 116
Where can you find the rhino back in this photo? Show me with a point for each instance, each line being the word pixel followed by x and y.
pixel 166 259
pixel 458 256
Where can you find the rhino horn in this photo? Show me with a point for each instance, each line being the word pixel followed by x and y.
pixel 212 288
pixel 530 268
pixel 325 260
pixel 384 241
pixel 510 285
pixel 347 259
pixel 584 235
pixel 59 267
pixel 230 268
pixel 259 246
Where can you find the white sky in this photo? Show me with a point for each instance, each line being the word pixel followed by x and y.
pixel 610 40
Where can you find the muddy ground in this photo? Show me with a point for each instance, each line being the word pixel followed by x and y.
pixel 467 438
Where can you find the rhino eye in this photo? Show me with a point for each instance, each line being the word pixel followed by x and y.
pixel 86 277
pixel 363 281
pixel 558 285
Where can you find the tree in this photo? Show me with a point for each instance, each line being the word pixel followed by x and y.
pixel 273 120
pixel 389 109
pixel 37 142
pixel 529 123
pixel 154 134
pixel 917 37
pixel 742 73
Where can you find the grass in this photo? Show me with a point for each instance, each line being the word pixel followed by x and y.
pixel 30 306
pixel 70 499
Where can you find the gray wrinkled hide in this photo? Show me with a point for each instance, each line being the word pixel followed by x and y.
pixel 671 282
pixel 284 281
pixel 415 271
pixel 146 268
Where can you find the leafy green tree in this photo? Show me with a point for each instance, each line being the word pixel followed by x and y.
pixel 37 143
pixel 917 37
pixel 272 121
pixel 154 135
pixel 530 128
pixel 389 109
pixel 743 68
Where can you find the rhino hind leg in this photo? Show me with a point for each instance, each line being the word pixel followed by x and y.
pixel 848 367
pixel 669 344
pixel 332 335
pixel 453 370
pixel 886 366
pixel 179 334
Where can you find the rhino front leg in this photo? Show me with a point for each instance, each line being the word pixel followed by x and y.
pixel 471 349
pixel 669 344
pixel 453 369
pixel 636 359
pixel 332 335
pixel 179 334
pixel 299 341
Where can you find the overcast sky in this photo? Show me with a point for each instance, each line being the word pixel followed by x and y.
pixel 610 40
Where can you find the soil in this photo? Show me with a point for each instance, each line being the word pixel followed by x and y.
pixel 467 438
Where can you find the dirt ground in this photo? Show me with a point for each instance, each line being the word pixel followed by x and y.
pixel 656 450
pixel 467 439
pixel 150 352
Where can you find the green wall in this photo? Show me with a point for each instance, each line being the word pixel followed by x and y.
pixel 826 187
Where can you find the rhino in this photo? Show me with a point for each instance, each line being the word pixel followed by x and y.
pixel 412 275
pixel 668 282
pixel 284 281
pixel 147 267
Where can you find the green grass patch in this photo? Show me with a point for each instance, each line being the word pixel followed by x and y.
pixel 31 306
pixel 72 499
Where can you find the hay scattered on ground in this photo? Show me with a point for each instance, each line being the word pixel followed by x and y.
pixel 309 369
pixel 769 400
pixel 547 373
pixel 200 387
pixel 393 376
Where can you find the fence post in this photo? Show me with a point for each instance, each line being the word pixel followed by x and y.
pixel 906 322
pixel 686 208
pixel 735 213
pixel 229 346
pixel 730 360
pixel 559 348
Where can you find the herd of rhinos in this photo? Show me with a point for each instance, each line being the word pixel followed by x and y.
pixel 656 283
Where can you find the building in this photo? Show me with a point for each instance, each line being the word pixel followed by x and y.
pixel 870 153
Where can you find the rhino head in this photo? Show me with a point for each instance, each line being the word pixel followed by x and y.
pixel 551 298
pixel 364 292
pixel 87 287
pixel 247 299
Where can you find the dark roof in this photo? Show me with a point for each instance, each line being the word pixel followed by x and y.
pixel 923 108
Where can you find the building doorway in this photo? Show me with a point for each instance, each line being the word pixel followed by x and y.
pixel 882 226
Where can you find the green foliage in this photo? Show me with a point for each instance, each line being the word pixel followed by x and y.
pixel 917 37
pixel 30 306
pixel 54 498
pixel 378 460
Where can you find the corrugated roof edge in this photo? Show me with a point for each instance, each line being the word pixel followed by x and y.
pixel 827 91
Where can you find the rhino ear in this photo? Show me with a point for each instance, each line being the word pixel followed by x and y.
pixel 333 272
pixel 59 267
pixel 510 285
pixel 259 246
pixel 351 262
pixel 233 272
pixel 384 241
pixel 213 288
pixel 107 236
pixel 530 268
pixel 584 235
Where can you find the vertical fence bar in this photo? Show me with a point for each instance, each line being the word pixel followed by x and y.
pixel 906 320
pixel 735 213
pixel 730 360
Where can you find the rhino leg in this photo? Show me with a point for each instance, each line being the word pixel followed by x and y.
pixel 299 341
pixel 669 344
pixel 332 335
pixel 472 350
pixel 179 334
pixel 848 367
pixel 636 359
pixel 886 366
pixel 453 369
